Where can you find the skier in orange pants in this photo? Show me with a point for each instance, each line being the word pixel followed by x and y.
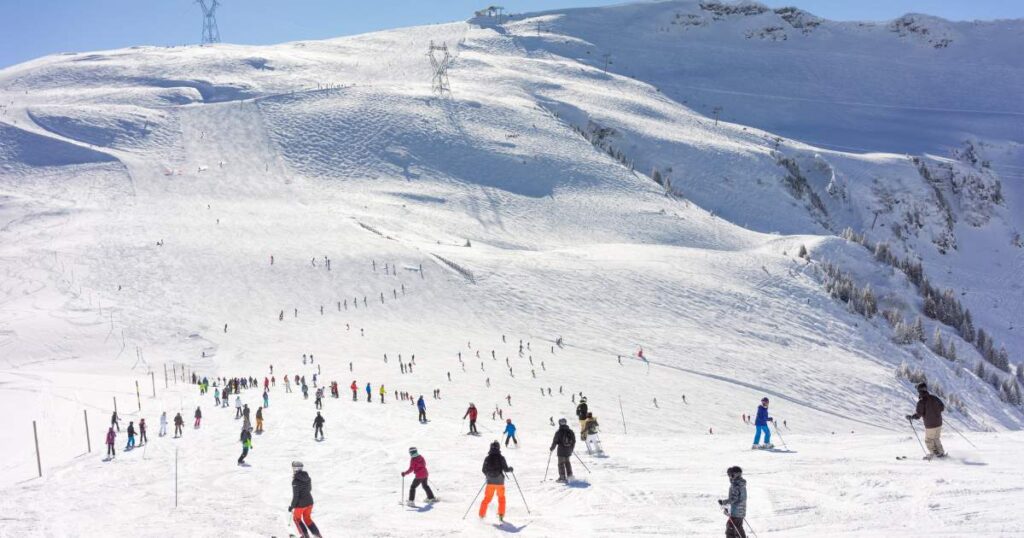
pixel 494 469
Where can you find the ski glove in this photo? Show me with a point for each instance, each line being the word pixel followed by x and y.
pixel 721 502
pixel 511 470
pixel 910 417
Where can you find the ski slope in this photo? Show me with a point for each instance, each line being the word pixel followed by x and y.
pixel 144 191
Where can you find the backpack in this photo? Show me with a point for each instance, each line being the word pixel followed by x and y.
pixel 592 426
pixel 568 439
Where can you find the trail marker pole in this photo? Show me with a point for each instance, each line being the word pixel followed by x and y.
pixel 88 442
pixel 39 462
pixel 623 416
pixel 138 396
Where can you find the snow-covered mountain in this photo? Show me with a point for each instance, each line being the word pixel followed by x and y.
pixel 695 179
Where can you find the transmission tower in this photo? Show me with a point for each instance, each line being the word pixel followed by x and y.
pixel 210 32
pixel 440 59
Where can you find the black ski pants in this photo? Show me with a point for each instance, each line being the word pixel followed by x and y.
pixel 734 528
pixel 426 488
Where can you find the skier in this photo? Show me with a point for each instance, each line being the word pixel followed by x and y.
pixel 238 407
pixel 510 432
pixel 471 413
pixel 318 426
pixel 111 437
pixel 737 503
pixel 199 417
pixel 115 421
pixel 494 469
pixel 565 442
pixel 354 390
pixel 581 413
pixel 305 391
pixel 259 420
pixel 142 432
pixel 930 408
pixel 216 397
pixel 418 466
pixel 131 436
pixel 369 393
pixel 287 384
pixel 179 423
pixel 382 392
pixel 421 405
pixel 593 440
pixel 318 402
pixel 246 439
pixel 163 424
pixel 761 424
pixel 302 502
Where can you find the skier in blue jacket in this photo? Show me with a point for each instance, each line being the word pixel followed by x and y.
pixel 761 424
pixel 510 432
pixel 421 405
pixel 369 393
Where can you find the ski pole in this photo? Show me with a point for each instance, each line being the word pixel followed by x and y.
pixel 581 461
pixel 911 421
pixel 520 492
pixel 546 467
pixel 777 432
pixel 751 527
pixel 474 500
pixel 401 492
pixel 960 434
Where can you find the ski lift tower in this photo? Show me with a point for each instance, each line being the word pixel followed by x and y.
pixel 440 59
pixel 211 34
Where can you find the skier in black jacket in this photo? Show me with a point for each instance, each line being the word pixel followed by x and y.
pixel 494 469
pixel 565 442
pixel 302 502
pixel 318 426
pixel 581 413
pixel 930 408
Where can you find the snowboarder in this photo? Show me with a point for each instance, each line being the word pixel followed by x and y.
pixel 259 420
pixel 199 417
pixel 494 469
pixel 421 405
pixel 111 437
pixel 761 424
pixel 246 440
pixel 565 442
pixel 593 440
pixel 302 502
pixel 418 466
pixel 736 503
pixel 581 414
pixel 131 436
pixel 510 432
pixel 163 424
pixel 471 413
pixel 930 408
pixel 318 426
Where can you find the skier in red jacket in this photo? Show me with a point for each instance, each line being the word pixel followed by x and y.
pixel 471 413
pixel 418 467
pixel 355 390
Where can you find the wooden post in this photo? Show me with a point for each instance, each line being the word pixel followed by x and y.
pixel 115 404
pixel 39 462
pixel 175 477
pixel 623 416
pixel 88 442
pixel 152 379
pixel 165 376
pixel 138 396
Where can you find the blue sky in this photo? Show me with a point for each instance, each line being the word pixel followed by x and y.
pixel 33 28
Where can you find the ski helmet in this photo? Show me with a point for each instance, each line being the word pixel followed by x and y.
pixel 764 400
pixel 508 421
pixel 296 466
pixel 583 398
pixel 734 471
pixel 495 446
pixel 562 422
pixel 922 387
pixel 412 451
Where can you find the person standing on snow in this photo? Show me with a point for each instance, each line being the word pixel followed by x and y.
pixel 593 439
pixel 179 423
pixel 199 417
pixel 355 389
pixel 565 442
pixel 494 469
pixel 736 503
pixel 421 405
pixel 259 420
pixel 471 413
pixel 115 421
pixel 131 436
pixel 266 399
pixel 318 426
pixel 163 423
pixel 761 425
pixel 382 392
pixel 369 393
pixel 238 407
pixel 510 432
pixel 142 432
pixel 302 502
pixel 246 440
pixel 111 437
pixel 418 466
pixel 581 414
pixel 930 408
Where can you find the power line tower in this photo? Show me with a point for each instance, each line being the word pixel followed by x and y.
pixel 210 32
pixel 440 59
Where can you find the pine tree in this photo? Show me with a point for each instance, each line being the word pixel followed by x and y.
pixel 917 330
pixel 951 351
pixel 937 345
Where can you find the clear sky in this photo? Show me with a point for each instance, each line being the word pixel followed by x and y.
pixel 33 28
